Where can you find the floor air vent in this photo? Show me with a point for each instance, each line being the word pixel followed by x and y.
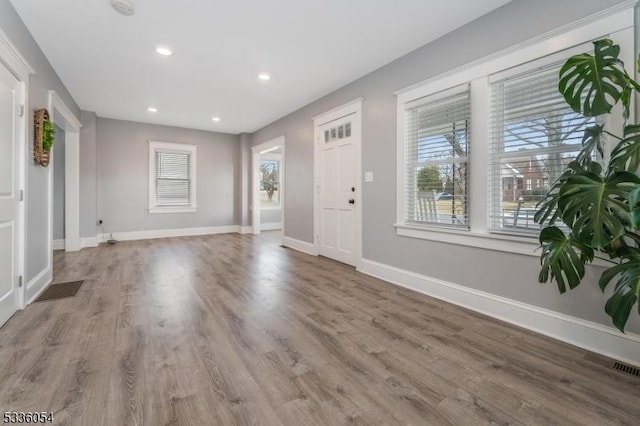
pixel 60 291
pixel 625 368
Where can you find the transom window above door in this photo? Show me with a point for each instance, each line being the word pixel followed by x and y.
pixel 338 132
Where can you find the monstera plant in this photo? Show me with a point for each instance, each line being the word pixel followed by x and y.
pixel 593 209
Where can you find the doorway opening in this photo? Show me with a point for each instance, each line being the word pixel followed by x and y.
pixel 58 190
pixel 268 160
pixel 64 178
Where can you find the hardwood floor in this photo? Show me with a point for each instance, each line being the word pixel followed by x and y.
pixel 233 329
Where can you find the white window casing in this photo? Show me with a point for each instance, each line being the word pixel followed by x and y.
pixel 485 221
pixel 172 177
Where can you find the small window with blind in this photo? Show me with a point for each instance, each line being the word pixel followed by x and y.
pixel 436 145
pixel 534 136
pixel 172 186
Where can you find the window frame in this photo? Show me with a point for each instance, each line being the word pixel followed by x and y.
pixel 495 198
pixel 192 150
pixel 463 89
pixel 616 24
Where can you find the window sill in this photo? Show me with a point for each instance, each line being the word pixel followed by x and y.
pixel 185 209
pixel 528 246
pixel 505 243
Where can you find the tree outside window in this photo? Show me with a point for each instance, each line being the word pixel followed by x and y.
pixel 269 182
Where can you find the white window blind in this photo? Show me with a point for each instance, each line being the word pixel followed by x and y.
pixel 534 136
pixel 173 178
pixel 436 136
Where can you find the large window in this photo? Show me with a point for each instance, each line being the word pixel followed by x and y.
pixel 534 136
pixel 172 185
pixel 436 151
pixel 479 146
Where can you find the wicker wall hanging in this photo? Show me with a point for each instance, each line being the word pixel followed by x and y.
pixel 44 137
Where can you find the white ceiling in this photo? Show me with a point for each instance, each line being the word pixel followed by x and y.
pixel 108 62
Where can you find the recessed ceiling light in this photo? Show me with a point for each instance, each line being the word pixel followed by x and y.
pixel 216 119
pixel 152 109
pixel 164 51
pixel 264 76
pixel 123 7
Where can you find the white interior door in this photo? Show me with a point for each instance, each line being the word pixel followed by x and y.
pixel 9 193
pixel 337 190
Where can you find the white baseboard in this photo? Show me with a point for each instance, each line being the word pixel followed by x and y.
pixel 38 284
pixel 270 226
pixel 302 246
pixel 89 242
pixel 166 233
pixel 598 338
pixel 245 229
pixel 84 242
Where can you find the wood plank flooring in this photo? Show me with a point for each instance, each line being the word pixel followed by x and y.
pixel 234 330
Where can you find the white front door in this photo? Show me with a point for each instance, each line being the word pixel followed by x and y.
pixel 337 189
pixel 9 193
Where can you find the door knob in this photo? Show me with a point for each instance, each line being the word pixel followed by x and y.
pixel 352 201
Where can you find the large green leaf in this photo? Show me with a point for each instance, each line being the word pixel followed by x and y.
pixel 634 205
pixel 626 154
pixel 591 141
pixel 547 208
pixel 593 84
pixel 562 258
pixel 596 207
pixel 627 290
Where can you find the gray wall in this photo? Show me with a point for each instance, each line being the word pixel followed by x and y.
pixel 123 177
pixel 58 185
pixel 270 215
pixel 88 176
pixel 243 176
pixel 510 275
pixel 44 79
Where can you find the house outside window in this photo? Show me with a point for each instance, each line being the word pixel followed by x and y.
pixel 172 177
pixel 535 135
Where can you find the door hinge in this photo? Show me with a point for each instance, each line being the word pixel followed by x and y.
pixel 20 281
pixel 22 195
pixel 21 111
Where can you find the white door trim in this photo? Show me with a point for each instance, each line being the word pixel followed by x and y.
pixel 256 151
pixel 353 107
pixel 13 59
pixel 64 118
pixel 17 64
